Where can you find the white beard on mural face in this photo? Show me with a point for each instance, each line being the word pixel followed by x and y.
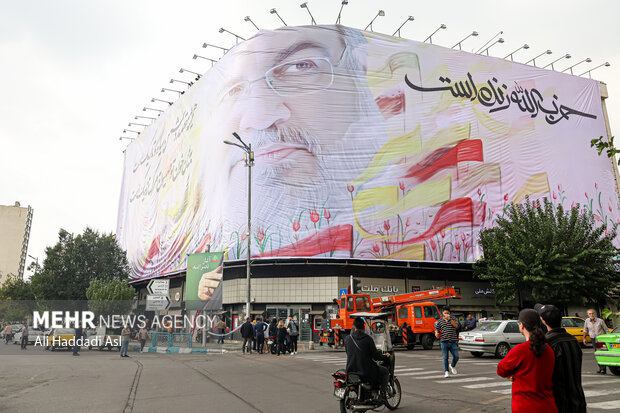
pixel 295 171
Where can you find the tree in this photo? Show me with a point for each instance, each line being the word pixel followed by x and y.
pixel 16 299
pixel 545 254
pixel 608 147
pixel 107 297
pixel 72 263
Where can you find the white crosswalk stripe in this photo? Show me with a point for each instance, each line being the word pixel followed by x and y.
pixel 505 391
pixel 417 373
pixel 400 370
pixel 595 393
pixel 608 405
pixel 485 385
pixel 467 380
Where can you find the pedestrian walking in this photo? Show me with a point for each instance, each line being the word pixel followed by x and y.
pixel 530 366
pixel 125 335
pixel 594 327
pixel 8 333
pixel 259 334
pixel 77 338
pixel 247 332
pixel 24 342
pixel 446 330
pixel 221 329
pixel 143 335
pixel 281 336
pixel 293 332
pixel 567 388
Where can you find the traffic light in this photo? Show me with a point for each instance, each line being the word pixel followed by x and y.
pixel 356 286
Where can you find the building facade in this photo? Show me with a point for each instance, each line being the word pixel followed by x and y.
pixel 15 224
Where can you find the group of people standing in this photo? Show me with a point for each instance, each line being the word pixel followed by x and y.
pixel 256 336
pixel 545 370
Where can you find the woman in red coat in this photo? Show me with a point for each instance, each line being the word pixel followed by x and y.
pixel 529 366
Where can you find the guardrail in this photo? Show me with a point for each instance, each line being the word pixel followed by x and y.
pixel 165 339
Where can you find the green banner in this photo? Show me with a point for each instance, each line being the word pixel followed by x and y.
pixel 203 283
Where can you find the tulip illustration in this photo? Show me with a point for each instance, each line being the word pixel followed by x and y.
pixel 433 244
pixel 375 248
pixel 260 234
pixel 314 216
pixel 296 225
pixel 442 233
pixel 457 246
pixel 326 214
pixel 386 225
pixel 350 188
pixel 401 185
pixel 506 197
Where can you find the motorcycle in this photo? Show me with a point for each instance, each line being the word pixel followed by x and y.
pixel 357 395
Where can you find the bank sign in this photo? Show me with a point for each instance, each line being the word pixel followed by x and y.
pixel 366 146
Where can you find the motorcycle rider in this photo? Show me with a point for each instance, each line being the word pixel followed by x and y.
pixel 361 355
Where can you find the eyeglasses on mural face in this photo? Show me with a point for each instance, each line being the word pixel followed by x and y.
pixel 290 78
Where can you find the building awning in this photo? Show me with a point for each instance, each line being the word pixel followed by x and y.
pixel 257 312
pixel 316 312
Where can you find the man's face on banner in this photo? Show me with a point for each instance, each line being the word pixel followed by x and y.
pixel 298 95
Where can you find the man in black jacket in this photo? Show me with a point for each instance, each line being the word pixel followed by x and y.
pixel 567 389
pixel 361 353
pixel 247 332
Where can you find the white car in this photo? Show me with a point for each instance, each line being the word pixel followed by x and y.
pixel 32 336
pixel 495 337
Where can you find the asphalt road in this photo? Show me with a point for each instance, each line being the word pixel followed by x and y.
pixel 38 380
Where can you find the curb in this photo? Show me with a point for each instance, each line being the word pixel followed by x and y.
pixel 180 350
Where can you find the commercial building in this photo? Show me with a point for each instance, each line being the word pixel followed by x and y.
pixel 15 224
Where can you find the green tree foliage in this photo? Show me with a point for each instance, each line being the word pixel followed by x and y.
pixel 108 297
pixel 609 148
pixel 545 254
pixel 16 299
pixel 72 263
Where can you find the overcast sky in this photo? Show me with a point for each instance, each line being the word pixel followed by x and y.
pixel 74 73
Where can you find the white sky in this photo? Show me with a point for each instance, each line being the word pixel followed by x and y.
pixel 74 73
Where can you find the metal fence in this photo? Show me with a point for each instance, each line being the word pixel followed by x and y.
pixel 165 339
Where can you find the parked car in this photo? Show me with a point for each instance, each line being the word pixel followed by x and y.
pixel 574 327
pixel 105 337
pixel 495 337
pixel 59 337
pixel 607 351
pixel 32 336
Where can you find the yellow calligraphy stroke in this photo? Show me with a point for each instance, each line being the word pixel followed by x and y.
pixel 535 184
pixel 393 149
pixel 410 252
pixel 428 194
pixel 479 176
pixel 393 72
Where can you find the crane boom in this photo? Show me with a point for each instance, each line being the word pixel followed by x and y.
pixel 416 297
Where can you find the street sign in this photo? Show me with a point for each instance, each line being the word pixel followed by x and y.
pixel 158 287
pixel 157 302
pixel 342 292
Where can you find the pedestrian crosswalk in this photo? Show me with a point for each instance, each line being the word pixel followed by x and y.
pixel 595 387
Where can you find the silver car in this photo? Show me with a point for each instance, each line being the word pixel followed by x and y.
pixel 495 337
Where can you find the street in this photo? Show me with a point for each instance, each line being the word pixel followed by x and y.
pixel 39 380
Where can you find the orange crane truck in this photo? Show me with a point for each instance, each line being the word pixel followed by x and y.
pixel 412 320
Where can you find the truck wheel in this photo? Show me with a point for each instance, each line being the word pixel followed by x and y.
pixel 614 370
pixel 501 350
pixel 427 341
pixel 477 353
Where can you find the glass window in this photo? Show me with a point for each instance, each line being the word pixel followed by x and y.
pixel 359 304
pixel 511 328
pixel 366 304
pixel 402 313
pixel 343 302
pixel 567 322
pixel 431 312
pixel 488 326
pixel 417 312
pixel 317 323
pixel 350 304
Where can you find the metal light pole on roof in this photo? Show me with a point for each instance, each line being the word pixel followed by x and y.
pixel 606 64
pixel 409 19
pixel 587 60
pixel 249 162
pixel 534 58
pixel 500 40
pixel 380 13
pixel 474 33
pixel 213 61
pixel 525 46
pixel 273 11
pixel 344 3
pixel 237 37
pixel 304 5
pixel 566 56
pixel 443 26
pixel 248 19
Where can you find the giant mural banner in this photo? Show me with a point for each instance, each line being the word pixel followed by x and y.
pixel 365 145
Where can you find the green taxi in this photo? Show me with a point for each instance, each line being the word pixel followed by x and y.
pixel 607 351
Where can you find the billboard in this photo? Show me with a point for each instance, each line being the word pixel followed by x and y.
pixel 366 145
pixel 203 290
